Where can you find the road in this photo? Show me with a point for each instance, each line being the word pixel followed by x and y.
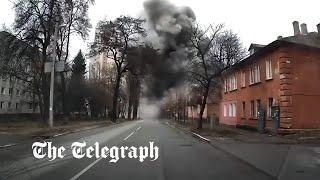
pixel 181 156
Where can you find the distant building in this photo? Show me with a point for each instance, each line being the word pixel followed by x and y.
pixel 211 109
pixel 99 65
pixel 15 96
pixel 284 73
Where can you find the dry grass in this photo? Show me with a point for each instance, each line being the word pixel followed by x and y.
pixel 36 128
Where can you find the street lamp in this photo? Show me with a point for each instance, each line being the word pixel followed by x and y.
pixel 52 70
pixel 55 39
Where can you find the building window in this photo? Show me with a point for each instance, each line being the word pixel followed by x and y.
pixel 254 75
pixel 230 110
pixel 17 105
pixel 2 90
pixel 30 106
pixel 233 82
pixel 268 69
pixel 258 105
pixel 243 109
pixel 243 79
pixel 10 91
pixel 234 110
pixel 225 110
pixel 252 109
pixel 270 104
pixel 1 105
pixel 9 105
pixel 225 85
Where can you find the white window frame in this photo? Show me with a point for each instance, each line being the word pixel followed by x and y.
pixel 255 75
pixel 230 110
pixel 243 79
pixel 225 110
pixel 235 82
pixel 232 82
pixel 225 85
pixel 234 109
pixel 269 71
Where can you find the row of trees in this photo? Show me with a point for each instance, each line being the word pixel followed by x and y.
pixel 34 29
pixel 210 51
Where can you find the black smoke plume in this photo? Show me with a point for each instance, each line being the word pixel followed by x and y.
pixel 171 24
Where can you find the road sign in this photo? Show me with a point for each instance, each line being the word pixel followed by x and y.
pixel 59 66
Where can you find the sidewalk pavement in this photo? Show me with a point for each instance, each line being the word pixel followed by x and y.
pixel 282 161
pixel 279 157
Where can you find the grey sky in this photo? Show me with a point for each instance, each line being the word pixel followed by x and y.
pixel 255 21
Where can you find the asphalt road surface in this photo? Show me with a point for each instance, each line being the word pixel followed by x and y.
pixel 180 157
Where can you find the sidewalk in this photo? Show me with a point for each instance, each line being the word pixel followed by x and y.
pixel 281 158
pixel 17 132
pixel 282 161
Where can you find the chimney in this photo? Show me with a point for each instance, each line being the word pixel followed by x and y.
pixel 296 28
pixel 304 29
pixel 318 27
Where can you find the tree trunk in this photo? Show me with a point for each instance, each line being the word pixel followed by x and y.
pixel 115 98
pixel 63 94
pixel 135 107
pixel 130 107
pixel 203 105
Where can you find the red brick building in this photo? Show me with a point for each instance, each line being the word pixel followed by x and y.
pixel 284 73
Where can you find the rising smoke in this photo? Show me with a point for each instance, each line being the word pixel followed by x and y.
pixel 171 25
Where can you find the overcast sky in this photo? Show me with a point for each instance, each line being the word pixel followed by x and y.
pixel 253 20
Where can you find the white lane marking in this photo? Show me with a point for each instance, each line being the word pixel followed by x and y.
pixel 57 135
pixel 96 161
pixel 208 140
pixel 7 145
pixel 87 168
pixel 129 136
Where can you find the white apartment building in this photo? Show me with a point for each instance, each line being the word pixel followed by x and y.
pixel 15 98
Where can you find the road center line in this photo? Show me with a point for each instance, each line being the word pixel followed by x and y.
pixel 129 136
pixel 138 128
pixel 87 168
pixel 97 160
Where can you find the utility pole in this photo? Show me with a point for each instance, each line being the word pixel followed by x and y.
pixel 55 39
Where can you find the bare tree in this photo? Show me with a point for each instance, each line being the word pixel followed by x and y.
pixel 114 38
pixel 214 51
pixel 75 20
pixel 35 24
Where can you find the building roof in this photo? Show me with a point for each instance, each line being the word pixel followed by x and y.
pixel 311 40
pixel 256 46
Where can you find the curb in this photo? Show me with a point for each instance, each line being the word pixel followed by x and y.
pixel 200 137
pixel 8 145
